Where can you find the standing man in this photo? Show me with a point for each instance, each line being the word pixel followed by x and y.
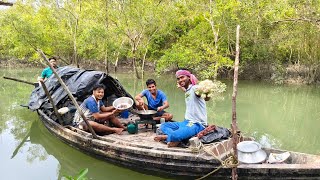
pixel 195 115
pixel 157 101
pixel 47 72
pixel 97 114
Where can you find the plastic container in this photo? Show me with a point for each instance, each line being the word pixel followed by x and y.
pixel 124 114
pixel 162 120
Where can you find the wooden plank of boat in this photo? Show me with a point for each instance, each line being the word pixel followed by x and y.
pixel 141 153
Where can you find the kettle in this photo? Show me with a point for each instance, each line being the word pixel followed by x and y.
pixel 132 128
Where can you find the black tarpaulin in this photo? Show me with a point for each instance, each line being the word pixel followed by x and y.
pixel 80 82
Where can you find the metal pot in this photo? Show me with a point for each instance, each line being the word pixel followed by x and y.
pixel 146 114
pixel 250 152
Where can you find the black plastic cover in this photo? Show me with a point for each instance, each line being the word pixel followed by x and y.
pixel 80 83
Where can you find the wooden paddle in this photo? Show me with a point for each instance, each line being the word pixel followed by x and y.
pixel 19 80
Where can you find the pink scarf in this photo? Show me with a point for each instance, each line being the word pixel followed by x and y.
pixel 193 78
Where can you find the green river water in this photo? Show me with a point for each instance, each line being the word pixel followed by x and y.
pixel 285 117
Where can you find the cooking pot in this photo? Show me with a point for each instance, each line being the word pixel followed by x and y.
pixel 146 114
pixel 250 152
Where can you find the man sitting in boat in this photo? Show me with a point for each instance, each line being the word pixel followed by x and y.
pixel 47 72
pixel 195 115
pixel 157 100
pixel 97 114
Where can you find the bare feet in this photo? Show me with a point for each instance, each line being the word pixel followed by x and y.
pixel 118 130
pixel 173 144
pixel 160 138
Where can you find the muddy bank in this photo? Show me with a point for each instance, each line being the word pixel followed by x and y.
pixel 123 66
pixel 16 63
pixel 279 74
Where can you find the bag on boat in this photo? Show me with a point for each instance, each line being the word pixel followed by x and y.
pixel 216 134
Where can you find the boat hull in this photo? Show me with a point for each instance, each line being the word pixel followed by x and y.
pixel 177 162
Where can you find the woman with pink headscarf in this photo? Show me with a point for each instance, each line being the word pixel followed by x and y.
pixel 195 116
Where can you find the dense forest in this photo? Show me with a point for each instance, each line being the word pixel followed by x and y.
pixel 279 39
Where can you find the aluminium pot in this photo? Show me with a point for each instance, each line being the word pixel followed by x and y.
pixel 250 152
pixel 146 114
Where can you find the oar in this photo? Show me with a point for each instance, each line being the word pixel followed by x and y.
pixel 18 80
pixel 55 109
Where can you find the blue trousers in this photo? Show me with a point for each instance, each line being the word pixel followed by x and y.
pixel 178 131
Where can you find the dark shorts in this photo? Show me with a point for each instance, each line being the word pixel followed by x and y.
pixel 159 114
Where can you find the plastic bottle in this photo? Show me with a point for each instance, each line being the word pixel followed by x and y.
pixel 162 120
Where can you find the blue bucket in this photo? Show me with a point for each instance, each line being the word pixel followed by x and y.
pixel 124 114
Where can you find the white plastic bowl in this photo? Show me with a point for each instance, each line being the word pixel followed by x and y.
pixel 122 103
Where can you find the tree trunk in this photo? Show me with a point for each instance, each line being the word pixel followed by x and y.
pixel 143 62
pixel 75 59
pixel 134 63
pixel 106 62
pixel 116 64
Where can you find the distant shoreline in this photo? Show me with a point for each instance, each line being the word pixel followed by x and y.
pixel 288 74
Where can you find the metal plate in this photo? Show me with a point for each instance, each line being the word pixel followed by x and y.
pixel 248 146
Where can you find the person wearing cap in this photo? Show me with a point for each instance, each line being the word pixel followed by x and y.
pixel 97 114
pixel 157 100
pixel 47 72
pixel 195 115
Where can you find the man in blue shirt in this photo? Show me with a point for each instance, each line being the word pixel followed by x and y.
pixel 97 114
pixel 195 118
pixel 157 101
pixel 47 72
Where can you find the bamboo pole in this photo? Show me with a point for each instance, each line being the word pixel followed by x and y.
pixel 234 97
pixel 55 109
pixel 68 92
pixel 6 3
pixel 18 80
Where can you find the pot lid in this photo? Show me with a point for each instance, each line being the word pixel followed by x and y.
pixel 248 146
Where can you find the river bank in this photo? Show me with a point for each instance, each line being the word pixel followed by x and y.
pixel 278 74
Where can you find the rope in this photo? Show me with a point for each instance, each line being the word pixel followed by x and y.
pixel 229 162
pixel 197 148
pixel 210 173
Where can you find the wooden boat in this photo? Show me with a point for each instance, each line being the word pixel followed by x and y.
pixel 140 152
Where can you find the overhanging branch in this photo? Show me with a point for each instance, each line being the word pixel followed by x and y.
pixel 5 3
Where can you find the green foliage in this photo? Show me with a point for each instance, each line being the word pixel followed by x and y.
pixel 198 34
pixel 80 176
